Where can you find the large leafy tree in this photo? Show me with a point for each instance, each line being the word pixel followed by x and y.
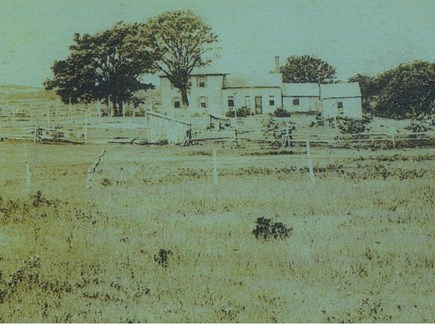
pixel 181 41
pixel 369 86
pixel 306 68
pixel 407 90
pixel 105 66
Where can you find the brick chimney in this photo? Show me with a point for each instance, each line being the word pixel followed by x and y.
pixel 276 64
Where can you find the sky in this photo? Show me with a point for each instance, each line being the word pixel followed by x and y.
pixel 354 36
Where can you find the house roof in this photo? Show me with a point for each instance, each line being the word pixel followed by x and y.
pixel 340 90
pixel 300 90
pixel 253 80
pixel 200 71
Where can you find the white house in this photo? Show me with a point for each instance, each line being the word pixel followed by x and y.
pixel 341 99
pixel 301 97
pixel 205 95
pixel 217 93
pixel 261 93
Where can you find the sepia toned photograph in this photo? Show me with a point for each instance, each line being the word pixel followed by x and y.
pixel 224 161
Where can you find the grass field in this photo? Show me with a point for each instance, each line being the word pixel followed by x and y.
pixel 154 239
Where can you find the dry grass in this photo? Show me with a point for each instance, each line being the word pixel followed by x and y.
pixel 361 247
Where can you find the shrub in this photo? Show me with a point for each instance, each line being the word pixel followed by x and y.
pixel 352 126
pixel 418 127
pixel 266 229
pixel 162 257
pixel 241 112
pixel 39 200
pixel 281 112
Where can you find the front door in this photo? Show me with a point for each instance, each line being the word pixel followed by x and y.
pixel 258 105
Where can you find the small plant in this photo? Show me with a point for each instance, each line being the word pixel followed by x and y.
pixel 241 112
pixel 281 112
pixel 265 228
pixel 162 257
pixel 38 200
pixel 106 182
pixel 352 126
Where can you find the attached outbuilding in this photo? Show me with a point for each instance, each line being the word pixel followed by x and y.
pixel 341 99
pixel 301 97
pixel 259 92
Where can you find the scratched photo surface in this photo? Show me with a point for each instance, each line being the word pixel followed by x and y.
pixel 217 161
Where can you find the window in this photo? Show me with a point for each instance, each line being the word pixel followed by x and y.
pixel 202 102
pixel 271 100
pixel 247 101
pixel 176 102
pixel 296 102
pixel 201 81
pixel 340 105
pixel 230 102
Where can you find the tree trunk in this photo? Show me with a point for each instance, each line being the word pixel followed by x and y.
pixel 184 98
pixel 115 108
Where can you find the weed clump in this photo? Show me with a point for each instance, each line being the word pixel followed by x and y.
pixel 265 229
pixel 39 200
pixel 162 257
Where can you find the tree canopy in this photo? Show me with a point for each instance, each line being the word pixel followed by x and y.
pixel 180 41
pixel 407 90
pixel 306 68
pixel 105 66
pixel 369 88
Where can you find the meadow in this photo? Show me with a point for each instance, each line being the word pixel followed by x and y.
pixel 152 238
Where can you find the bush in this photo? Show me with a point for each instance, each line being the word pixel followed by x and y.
pixel 352 126
pixel 241 112
pixel 266 229
pixel 281 112
pixel 162 257
pixel 418 127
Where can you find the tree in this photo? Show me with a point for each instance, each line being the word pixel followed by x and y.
pixel 106 66
pixel 179 40
pixel 407 90
pixel 369 88
pixel 306 68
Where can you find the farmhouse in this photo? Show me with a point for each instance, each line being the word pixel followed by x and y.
pixel 215 93
pixel 205 95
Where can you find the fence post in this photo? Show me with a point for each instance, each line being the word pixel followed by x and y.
pixel 148 126
pixel 215 174
pixel 91 170
pixel 13 120
pixel 86 125
pixel 393 132
pixel 27 170
pixel 236 138
pixel 310 163
pixel 69 110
